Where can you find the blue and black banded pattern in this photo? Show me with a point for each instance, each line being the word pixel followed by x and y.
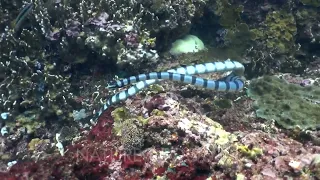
pixel 231 83
pixel 228 65
pixel 234 83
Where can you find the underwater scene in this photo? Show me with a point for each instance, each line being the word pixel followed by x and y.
pixel 160 89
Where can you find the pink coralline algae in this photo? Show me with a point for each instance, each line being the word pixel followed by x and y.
pixel 103 129
pixel 156 102
pixel 100 21
pixel 88 158
pixel 131 40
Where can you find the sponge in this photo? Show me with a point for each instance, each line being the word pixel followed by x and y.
pixel 188 44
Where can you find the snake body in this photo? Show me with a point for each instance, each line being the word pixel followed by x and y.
pixel 230 83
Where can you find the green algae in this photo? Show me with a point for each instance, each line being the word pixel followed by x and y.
pixel 290 105
pixel 252 153
pixel 240 38
pixel 229 13
pixel 278 32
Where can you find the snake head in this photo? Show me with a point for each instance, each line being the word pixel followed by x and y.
pixel 112 85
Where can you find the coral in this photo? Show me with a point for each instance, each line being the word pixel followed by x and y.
pixel 37 64
pixel 240 38
pixel 130 130
pixel 154 103
pixel 189 44
pixel 132 136
pixel 120 114
pixel 229 13
pixel 63 55
pixel 78 115
pixel 271 38
pixel 279 31
pixel 308 34
pixel 88 157
pixel 67 133
pixel 29 120
pixel 130 161
pixel 279 164
pixel 103 129
pixel 289 105
pixel 131 40
pixel 33 143
pixel 313 70
pixel 199 148
pixel 315 165
pixel 139 54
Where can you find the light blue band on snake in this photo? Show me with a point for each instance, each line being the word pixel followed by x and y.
pixel 231 83
pixel 228 65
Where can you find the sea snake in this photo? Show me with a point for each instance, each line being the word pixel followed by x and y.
pixel 232 82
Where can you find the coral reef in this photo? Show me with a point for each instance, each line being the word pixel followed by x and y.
pixel 199 149
pixel 38 62
pixel 57 58
pixel 39 59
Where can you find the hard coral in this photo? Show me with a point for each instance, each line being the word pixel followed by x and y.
pixel 132 136
pixel 130 130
